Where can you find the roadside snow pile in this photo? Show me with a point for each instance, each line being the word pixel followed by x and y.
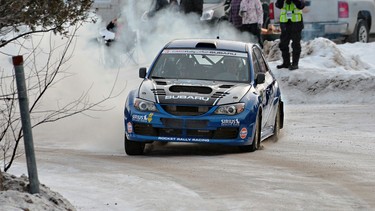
pixel 16 196
pixel 328 73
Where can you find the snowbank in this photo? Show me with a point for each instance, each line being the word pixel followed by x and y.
pixel 328 73
pixel 16 196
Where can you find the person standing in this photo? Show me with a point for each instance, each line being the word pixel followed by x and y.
pixel 251 12
pixel 112 25
pixel 234 16
pixel 189 6
pixel 291 24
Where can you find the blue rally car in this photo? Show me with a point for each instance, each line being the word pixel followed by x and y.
pixel 204 91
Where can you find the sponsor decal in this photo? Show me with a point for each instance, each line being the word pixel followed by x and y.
pixel 205 52
pixel 149 118
pixel 183 139
pixel 129 127
pixel 243 133
pixel 143 118
pixel 230 122
pixel 185 97
pixel 139 118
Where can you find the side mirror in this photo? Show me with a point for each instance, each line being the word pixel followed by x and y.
pixel 261 78
pixel 142 72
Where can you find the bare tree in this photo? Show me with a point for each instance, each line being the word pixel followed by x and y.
pixel 20 22
pixel 41 16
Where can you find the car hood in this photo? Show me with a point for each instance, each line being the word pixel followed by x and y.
pixel 192 92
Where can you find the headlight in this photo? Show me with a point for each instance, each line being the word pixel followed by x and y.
pixel 231 109
pixel 143 105
pixel 207 15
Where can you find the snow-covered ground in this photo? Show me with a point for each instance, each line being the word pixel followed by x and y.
pixel 322 162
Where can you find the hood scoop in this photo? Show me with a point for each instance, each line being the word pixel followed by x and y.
pixel 226 86
pixel 191 89
pixel 161 83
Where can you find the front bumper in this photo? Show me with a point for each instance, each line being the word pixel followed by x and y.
pixel 218 129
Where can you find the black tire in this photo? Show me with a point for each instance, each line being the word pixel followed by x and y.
pixel 256 142
pixel 361 32
pixel 277 126
pixel 133 147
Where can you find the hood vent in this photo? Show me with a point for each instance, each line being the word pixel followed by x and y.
pixel 226 86
pixel 161 83
pixel 193 89
pixel 158 91
pixel 219 94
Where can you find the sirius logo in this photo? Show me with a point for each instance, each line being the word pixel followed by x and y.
pixel 230 122
pixel 184 97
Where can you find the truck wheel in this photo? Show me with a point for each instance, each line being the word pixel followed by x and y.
pixel 134 147
pixel 361 32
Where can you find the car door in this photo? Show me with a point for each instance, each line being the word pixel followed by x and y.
pixel 260 88
pixel 269 91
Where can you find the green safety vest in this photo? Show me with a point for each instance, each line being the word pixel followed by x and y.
pixel 290 12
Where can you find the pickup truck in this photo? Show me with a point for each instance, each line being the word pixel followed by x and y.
pixel 349 20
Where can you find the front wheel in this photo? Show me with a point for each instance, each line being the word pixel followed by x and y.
pixel 256 141
pixel 277 126
pixel 133 147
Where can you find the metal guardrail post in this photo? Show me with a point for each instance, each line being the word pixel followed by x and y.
pixel 26 124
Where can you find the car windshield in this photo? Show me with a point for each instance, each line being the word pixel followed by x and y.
pixel 202 65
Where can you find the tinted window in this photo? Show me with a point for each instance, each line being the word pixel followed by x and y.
pixel 262 63
pixel 255 65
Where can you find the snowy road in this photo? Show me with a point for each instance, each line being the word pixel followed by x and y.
pixel 324 161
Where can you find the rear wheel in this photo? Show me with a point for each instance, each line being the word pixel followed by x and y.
pixel 361 32
pixel 256 142
pixel 134 147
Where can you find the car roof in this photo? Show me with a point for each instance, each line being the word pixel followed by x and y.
pixel 209 44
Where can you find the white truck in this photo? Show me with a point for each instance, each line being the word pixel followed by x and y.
pixel 349 20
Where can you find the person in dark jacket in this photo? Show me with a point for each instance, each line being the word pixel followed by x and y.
pixel 234 12
pixel 291 24
pixel 189 6
pixel 112 25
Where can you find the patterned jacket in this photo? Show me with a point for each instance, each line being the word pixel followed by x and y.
pixel 251 12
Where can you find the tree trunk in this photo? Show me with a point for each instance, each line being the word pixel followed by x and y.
pixel 1 181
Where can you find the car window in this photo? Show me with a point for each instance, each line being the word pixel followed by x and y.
pixel 202 65
pixel 262 64
pixel 255 65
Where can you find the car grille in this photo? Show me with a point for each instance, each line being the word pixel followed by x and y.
pixel 179 123
pixel 219 133
pixel 186 110
pixel 145 129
